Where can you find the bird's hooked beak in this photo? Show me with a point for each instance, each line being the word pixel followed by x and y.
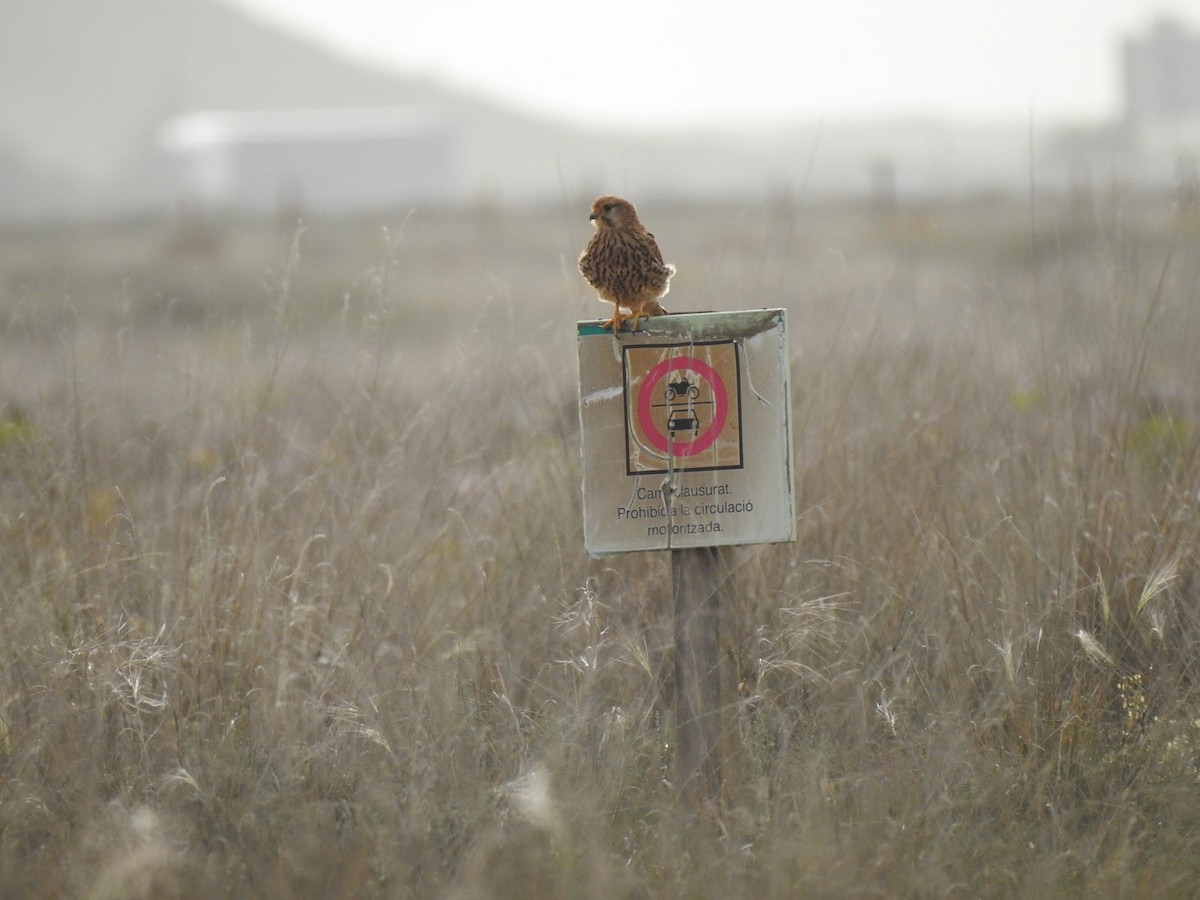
pixel 593 217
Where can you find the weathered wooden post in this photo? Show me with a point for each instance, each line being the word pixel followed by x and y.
pixel 687 447
pixel 697 584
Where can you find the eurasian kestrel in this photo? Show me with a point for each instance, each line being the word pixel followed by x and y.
pixel 623 263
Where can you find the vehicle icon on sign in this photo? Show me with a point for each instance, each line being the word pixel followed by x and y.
pixel 683 420
pixel 682 389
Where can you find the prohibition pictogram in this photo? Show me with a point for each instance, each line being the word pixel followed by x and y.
pixel 682 407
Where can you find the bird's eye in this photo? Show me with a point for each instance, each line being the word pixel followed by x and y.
pixel 608 207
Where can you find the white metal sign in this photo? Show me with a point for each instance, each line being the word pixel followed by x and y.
pixel 686 432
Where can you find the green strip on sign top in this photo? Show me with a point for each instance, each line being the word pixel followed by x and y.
pixel 597 327
pixel 695 326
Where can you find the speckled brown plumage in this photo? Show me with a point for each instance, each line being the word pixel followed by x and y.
pixel 623 263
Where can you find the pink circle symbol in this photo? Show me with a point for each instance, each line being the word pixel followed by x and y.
pixel 649 389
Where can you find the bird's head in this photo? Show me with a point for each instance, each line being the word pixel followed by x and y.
pixel 613 212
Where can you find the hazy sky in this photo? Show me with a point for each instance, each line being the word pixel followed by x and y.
pixel 648 62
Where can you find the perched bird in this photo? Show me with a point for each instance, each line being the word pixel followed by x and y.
pixel 623 263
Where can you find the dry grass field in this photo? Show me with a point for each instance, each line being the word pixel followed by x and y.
pixel 295 603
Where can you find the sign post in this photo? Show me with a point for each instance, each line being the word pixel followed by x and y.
pixel 687 447
pixel 698 582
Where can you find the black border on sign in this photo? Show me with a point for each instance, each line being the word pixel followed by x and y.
pixel 737 365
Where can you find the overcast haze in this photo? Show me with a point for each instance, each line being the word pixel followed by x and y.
pixel 668 63
pixel 539 99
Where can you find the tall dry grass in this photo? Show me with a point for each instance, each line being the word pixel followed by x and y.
pixel 295 602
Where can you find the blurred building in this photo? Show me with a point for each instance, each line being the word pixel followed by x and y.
pixel 1162 73
pixel 1161 76
pixel 1155 142
pixel 340 159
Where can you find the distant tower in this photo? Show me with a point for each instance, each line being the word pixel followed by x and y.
pixel 1162 74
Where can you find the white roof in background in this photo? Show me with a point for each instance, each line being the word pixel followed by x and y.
pixel 207 128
